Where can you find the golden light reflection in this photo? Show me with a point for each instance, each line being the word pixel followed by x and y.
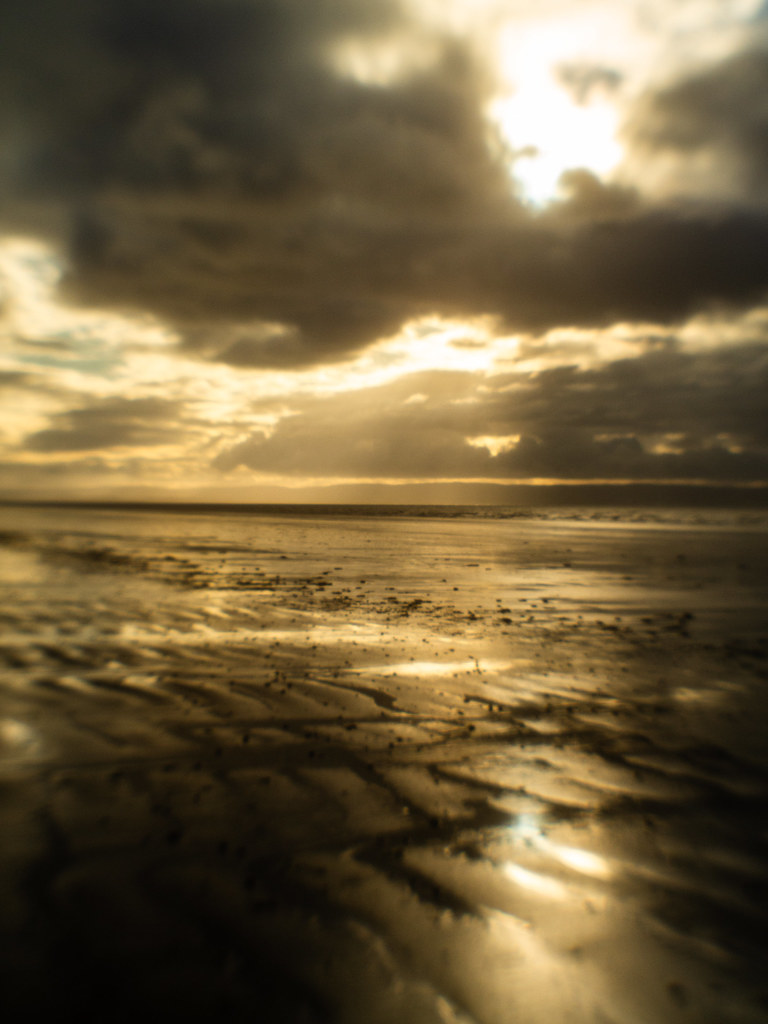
pixel 17 737
pixel 705 695
pixel 305 630
pixel 583 861
pixel 528 832
pixel 19 566
pixel 541 885
pixel 435 669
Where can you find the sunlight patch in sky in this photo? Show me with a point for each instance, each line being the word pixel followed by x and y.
pixel 550 128
pixel 85 344
pixel 550 134
pixel 494 443
pixel 437 343
pixel 381 61
pixel 547 128
pixel 341 245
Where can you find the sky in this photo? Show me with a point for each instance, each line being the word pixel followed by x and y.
pixel 255 248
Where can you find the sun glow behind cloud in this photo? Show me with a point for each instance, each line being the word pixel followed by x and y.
pixel 86 358
pixel 547 129
pixel 380 61
pixel 88 341
pixel 496 444
pixel 370 267
pixel 559 136
pixel 78 368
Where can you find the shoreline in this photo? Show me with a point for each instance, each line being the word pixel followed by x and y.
pixel 377 499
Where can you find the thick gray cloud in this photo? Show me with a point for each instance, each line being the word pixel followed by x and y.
pixel 214 168
pixel 321 284
pixel 184 93
pixel 666 414
pixel 12 380
pixel 720 114
pixel 110 423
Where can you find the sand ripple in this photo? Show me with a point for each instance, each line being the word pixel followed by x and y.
pixel 405 772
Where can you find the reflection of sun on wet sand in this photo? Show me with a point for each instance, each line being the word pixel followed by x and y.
pixel 413 770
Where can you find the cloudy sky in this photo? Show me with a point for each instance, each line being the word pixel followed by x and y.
pixel 250 244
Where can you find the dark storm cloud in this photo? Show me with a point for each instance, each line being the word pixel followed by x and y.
pixel 12 380
pixel 56 471
pixel 218 171
pixel 651 265
pixel 320 285
pixel 216 167
pixel 663 415
pixel 110 423
pixel 721 112
pixel 227 99
pixel 186 92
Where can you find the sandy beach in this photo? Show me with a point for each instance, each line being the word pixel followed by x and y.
pixel 355 768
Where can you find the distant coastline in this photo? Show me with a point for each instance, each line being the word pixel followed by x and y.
pixel 439 499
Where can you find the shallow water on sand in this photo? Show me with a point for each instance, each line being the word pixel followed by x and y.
pixel 357 768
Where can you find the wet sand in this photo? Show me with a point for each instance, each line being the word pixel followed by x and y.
pixel 347 769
